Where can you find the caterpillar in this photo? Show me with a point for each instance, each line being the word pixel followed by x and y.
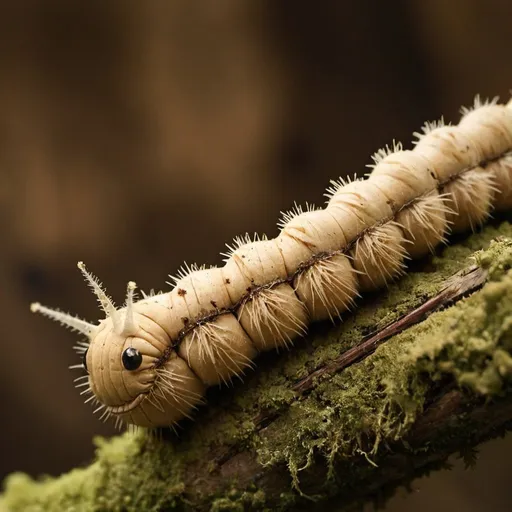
pixel 150 362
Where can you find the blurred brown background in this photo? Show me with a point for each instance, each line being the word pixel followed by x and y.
pixel 137 135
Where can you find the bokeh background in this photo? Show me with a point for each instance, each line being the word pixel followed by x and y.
pixel 136 135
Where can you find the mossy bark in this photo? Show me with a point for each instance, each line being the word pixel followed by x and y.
pixel 303 429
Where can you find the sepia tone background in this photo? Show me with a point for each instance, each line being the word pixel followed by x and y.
pixel 138 135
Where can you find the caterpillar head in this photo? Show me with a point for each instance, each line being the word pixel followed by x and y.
pixel 132 374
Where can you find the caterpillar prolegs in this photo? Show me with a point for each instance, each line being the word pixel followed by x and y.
pixel 150 362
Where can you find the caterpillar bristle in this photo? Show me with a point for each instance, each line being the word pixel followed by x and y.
pixel 295 211
pixel 178 392
pixel 180 396
pixel 81 347
pixel 105 416
pixel 503 174
pixel 479 103
pixel 76 367
pixel 133 429
pixel 71 322
pixel 99 408
pixel 335 185
pixel 153 400
pixel 217 350
pixel 106 303
pixel 382 153
pixel 262 318
pixel 429 127
pixel 240 241
pixel 471 199
pixel 184 271
pixel 425 224
pixel 379 255
pixel 129 327
pixel 328 288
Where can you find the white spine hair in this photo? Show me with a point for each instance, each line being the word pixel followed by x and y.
pixel 73 322
pixel 151 362
pixel 105 301
pixel 129 326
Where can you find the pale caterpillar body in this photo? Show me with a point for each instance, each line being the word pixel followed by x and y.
pixel 150 362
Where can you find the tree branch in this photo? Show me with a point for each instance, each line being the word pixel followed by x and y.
pixel 461 284
pixel 351 412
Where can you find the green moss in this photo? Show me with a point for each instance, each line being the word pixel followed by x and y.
pixel 349 416
pixel 125 476
pixel 379 399
pixel 239 501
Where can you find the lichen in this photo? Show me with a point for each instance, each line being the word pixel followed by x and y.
pixel 126 475
pixel 349 416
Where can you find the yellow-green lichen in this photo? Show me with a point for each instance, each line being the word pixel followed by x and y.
pixel 126 476
pixel 236 501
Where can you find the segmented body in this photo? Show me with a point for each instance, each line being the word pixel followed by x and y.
pixel 210 327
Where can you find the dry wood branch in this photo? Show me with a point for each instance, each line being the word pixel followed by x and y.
pixel 463 283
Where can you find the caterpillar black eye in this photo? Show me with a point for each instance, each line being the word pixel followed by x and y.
pixel 84 360
pixel 132 359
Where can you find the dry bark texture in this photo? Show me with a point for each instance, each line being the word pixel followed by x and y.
pixel 353 411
